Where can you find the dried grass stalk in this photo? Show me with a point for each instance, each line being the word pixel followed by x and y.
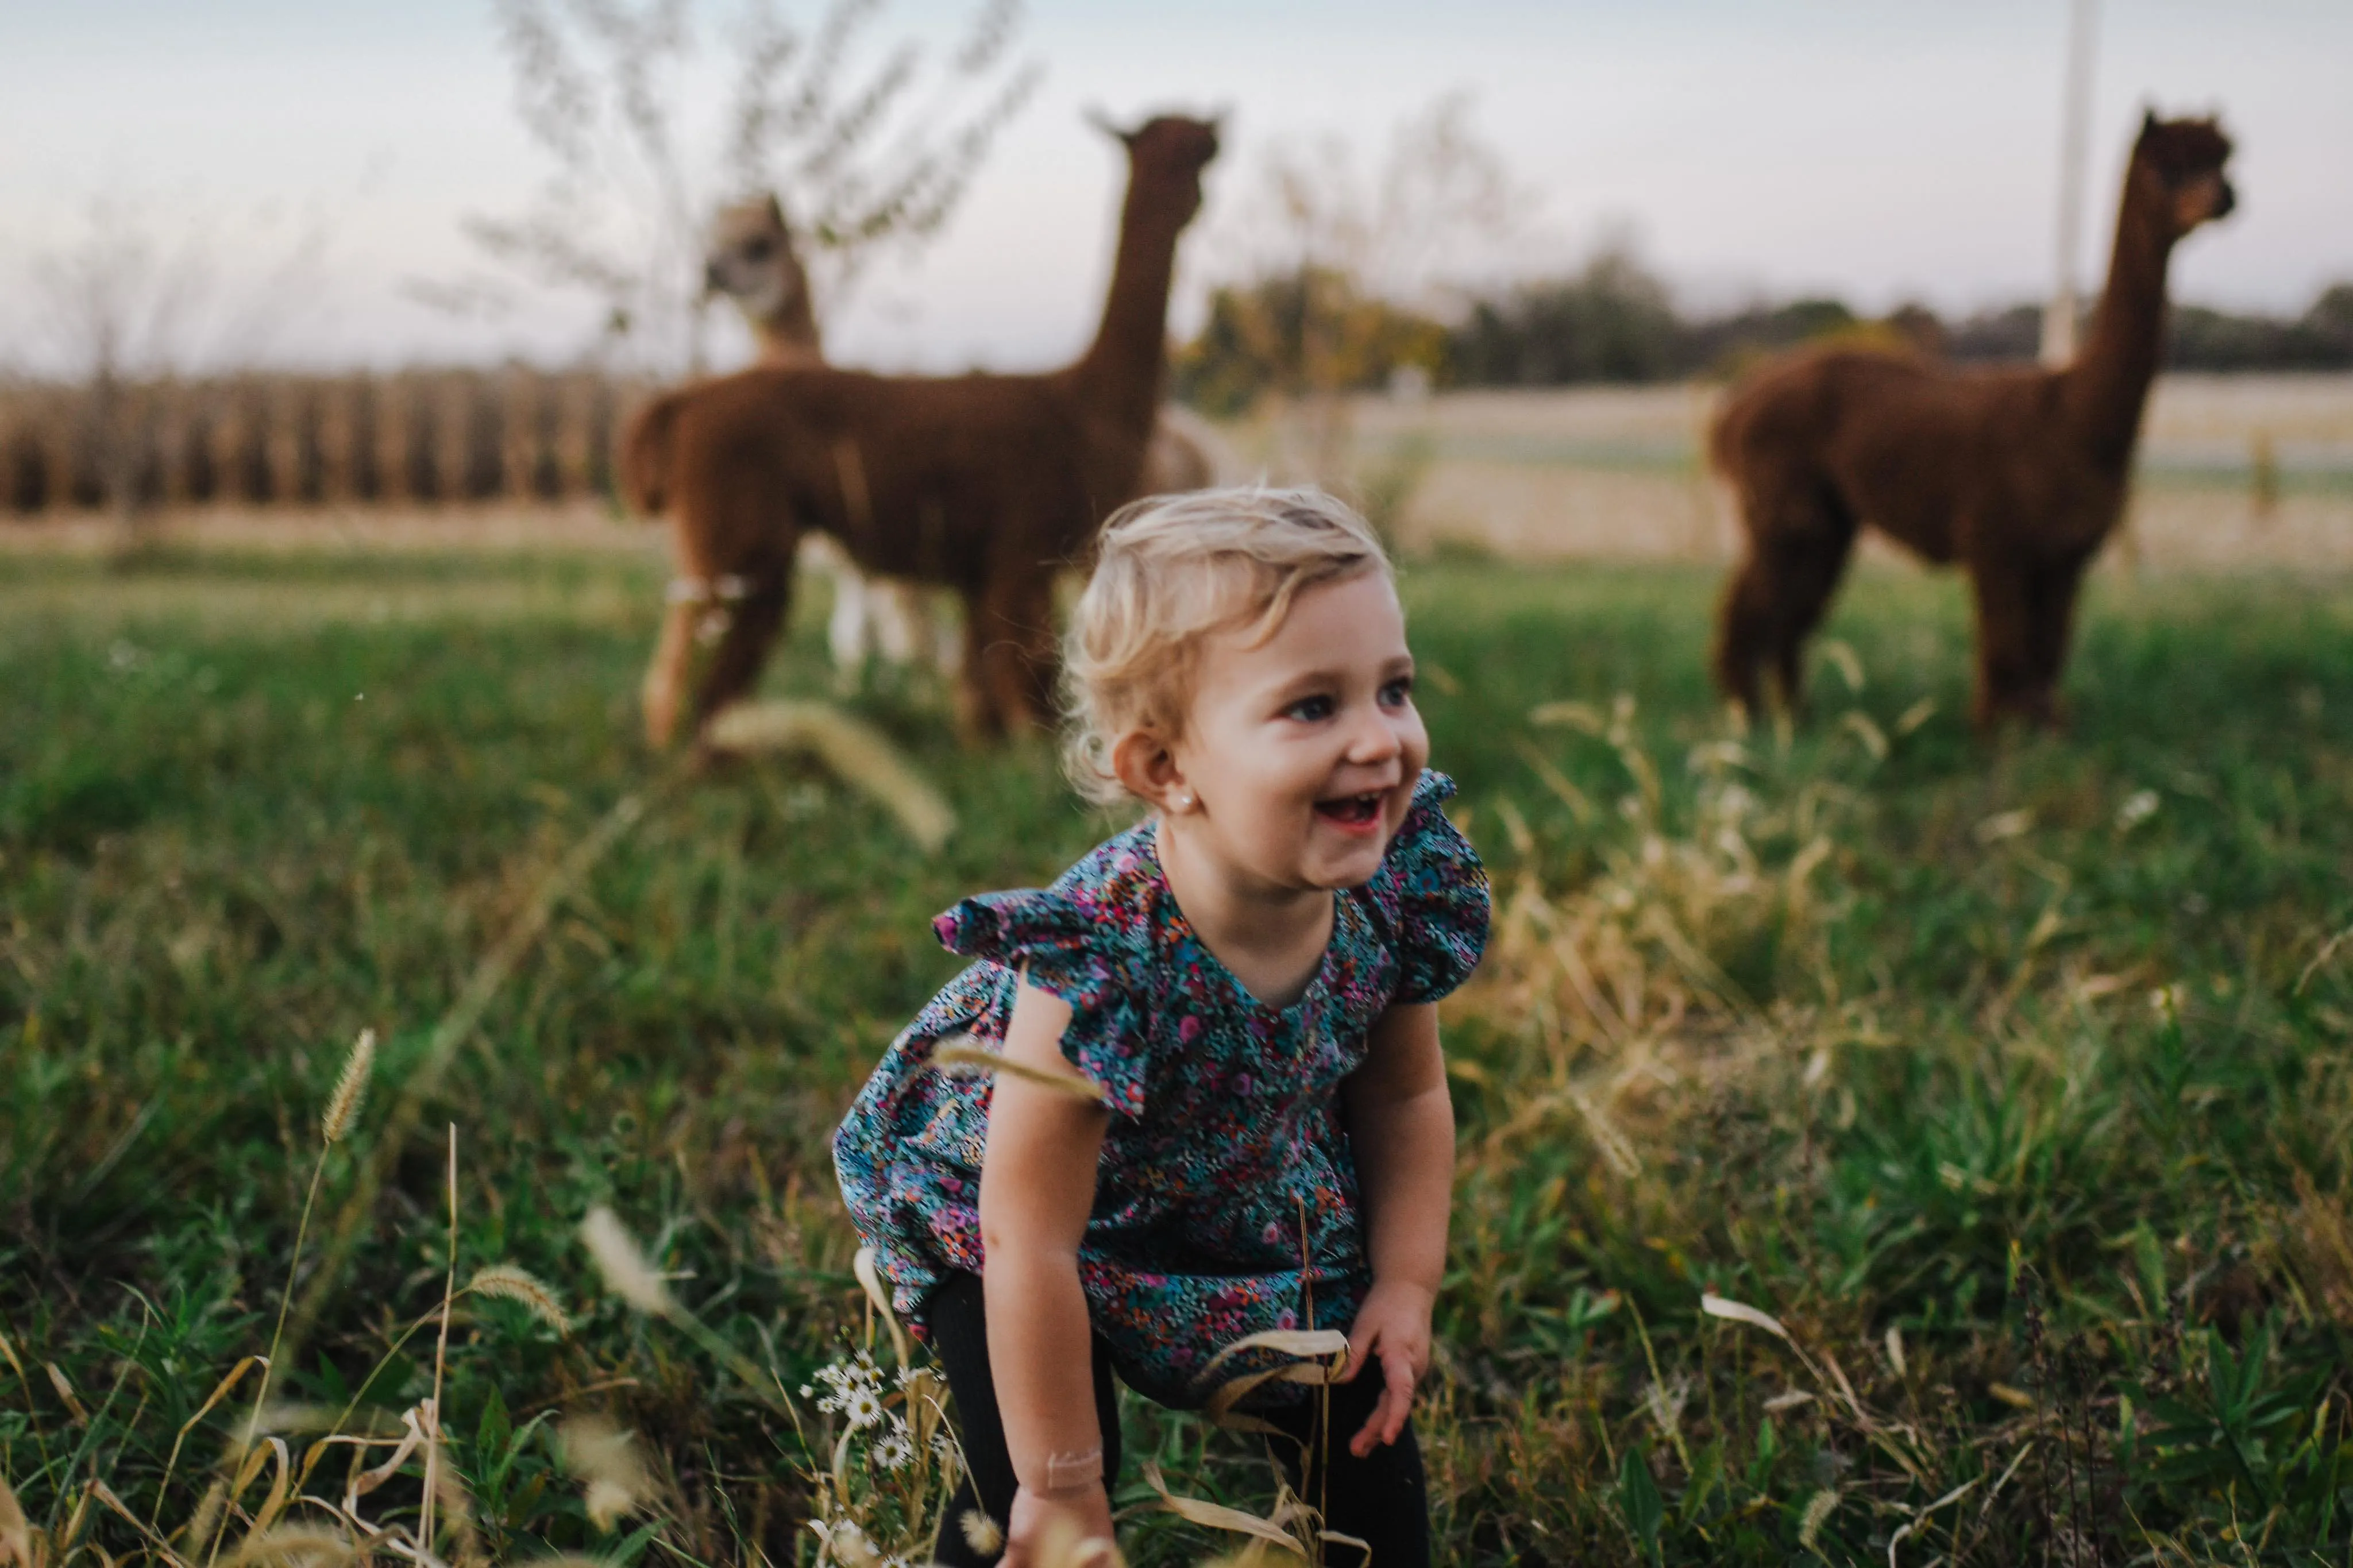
pixel 1716 1306
pixel 954 1057
pixel 66 1393
pixel 870 1279
pixel 855 751
pixel 17 1542
pixel 2322 1229
pixel 1273 1529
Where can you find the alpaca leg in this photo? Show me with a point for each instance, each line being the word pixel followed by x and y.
pixel 1041 662
pixel 692 599
pixel 2051 619
pixel 2006 658
pixel 977 719
pixel 1798 551
pixel 1008 645
pixel 1807 570
pixel 847 629
pixel 665 682
pixel 751 624
pixel 1743 636
pixel 895 611
pixel 946 646
pixel 930 639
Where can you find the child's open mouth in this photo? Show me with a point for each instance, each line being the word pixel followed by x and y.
pixel 1355 812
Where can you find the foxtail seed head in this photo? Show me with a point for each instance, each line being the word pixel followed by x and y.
pixel 344 1105
pixel 626 1273
pixel 507 1282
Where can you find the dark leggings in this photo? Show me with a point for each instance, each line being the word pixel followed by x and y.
pixel 1381 1499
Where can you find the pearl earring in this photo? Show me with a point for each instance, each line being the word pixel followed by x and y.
pixel 1182 800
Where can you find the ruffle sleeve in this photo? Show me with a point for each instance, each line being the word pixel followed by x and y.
pixel 1070 954
pixel 1441 897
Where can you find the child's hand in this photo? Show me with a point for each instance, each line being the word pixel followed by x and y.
pixel 1393 1324
pixel 1037 1521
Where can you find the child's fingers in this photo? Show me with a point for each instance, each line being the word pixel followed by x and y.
pixel 1397 1398
pixel 1361 1345
pixel 1389 1418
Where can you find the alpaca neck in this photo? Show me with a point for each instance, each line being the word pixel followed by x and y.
pixel 2108 386
pixel 1122 369
pixel 789 336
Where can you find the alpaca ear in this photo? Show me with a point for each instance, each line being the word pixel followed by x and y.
pixel 1108 126
pixel 2148 121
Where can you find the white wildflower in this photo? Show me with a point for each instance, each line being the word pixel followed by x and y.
pixel 896 1448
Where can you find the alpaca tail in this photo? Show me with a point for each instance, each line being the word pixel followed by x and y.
pixel 645 454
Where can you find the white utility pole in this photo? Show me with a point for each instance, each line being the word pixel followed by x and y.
pixel 2059 315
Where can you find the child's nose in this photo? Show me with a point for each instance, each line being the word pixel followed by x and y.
pixel 1374 739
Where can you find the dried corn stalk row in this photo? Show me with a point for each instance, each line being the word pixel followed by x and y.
pixel 422 437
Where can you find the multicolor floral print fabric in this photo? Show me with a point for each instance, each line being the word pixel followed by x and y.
pixel 1224 1164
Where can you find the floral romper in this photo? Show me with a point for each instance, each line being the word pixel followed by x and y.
pixel 1226 1154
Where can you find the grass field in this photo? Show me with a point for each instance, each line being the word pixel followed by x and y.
pixel 2011 1082
pixel 1616 472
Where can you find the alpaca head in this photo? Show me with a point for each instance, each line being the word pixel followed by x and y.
pixel 1165 156
pixel 2179 164
pixel 750 258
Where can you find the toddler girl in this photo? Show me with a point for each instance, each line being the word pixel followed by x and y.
pixel 1245 983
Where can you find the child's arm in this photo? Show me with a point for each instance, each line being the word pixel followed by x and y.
pixel 1401 1131
pixel 1037 1188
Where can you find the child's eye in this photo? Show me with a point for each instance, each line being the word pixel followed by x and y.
pixel 1309 708
pixel 1398 692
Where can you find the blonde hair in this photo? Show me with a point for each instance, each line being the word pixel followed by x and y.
pixel 1171 570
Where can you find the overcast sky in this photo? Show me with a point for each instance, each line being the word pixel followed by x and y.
pixel 1878 152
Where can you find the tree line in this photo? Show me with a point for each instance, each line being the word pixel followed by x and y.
pixel 1615 320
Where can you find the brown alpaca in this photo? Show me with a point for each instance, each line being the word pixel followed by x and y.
pixel 987 484
pixel 2017 473
pixel 753 259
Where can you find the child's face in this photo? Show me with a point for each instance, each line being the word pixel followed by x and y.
pixel 1301 754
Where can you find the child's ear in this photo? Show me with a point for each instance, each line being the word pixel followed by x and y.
pixel 1148 770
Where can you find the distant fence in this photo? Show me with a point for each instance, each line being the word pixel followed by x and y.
pixel 416 437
